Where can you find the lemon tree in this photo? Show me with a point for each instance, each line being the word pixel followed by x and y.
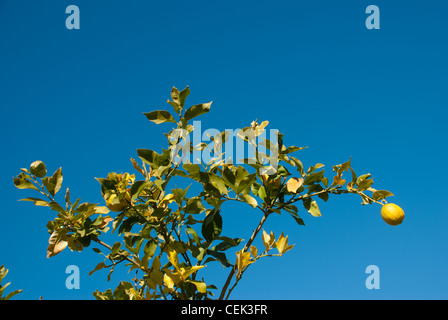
pixel 167 234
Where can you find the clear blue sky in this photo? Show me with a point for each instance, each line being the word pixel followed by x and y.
pixel 74 98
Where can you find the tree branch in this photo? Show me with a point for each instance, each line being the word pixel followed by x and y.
pixel 246 247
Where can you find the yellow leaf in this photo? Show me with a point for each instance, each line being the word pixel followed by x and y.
pixel 289 248
pixel 133 294
pixel 137 167
pixel 166 200
pixel 106 221
pixel 254 251
pixel 175 276
pixel 57 243
pixel 249 200
pixel 338 181
pixel 201 286
pixel 173 258
pixel 294 184
pixel 101 209
pixel 242 260
pixel 186 272
pixel 264 178
pixel 260 128
pixel 268 239
pixel 168 281
pixel 350 186
pixel 265 238
pixel 282 243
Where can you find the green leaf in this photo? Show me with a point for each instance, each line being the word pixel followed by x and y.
pixel 312 207
pixel 249 199
pixel 292 149
pixel 345 166
pixel 214 201
pixel 197 110
pixel 298 219
pixel 363 177
pixel 194 206
pixel 228 176
pixel 246 182
pixel 220 256
pixel 22 183
pixel 364 182
pixel 212 225
pixel 177 172
pixel 149 249
pixel 179 194
pixel 183 95
pixel 3 272
pixel 262 193
pixel 354 177
pixel 74 244
pixel 174 105
pixel 324 196
pixel 381 194
pixel 217 182
pixel 193 171
pixel 138 187
pixel 240 174
pixel 3 287
pixel 159 116
pixel 12 294
pixel 227 243
pixel 99 266
pixel 37 201
pixel 148 156
pixel 316 166
pixel 175 96
pixel 38 169
pixel 56 207
pixel 54 183
pixel 314 177
pixel 115 248
pixel 200 285
pixel 282 171
pixel 298 164
pixel 161 212
pixel 194 234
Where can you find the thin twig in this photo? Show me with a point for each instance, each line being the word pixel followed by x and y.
pixel 248 244
pixel 122 255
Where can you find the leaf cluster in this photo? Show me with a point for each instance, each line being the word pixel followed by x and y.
pixel 168 235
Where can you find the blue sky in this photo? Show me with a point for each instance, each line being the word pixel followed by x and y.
pixel 74 98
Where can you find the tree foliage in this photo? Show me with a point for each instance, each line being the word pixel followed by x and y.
pixel 169 235
pixel 3 273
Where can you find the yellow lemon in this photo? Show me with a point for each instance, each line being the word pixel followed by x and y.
pixel 392 214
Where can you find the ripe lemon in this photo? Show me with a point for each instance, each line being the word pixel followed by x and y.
pixel 392 214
